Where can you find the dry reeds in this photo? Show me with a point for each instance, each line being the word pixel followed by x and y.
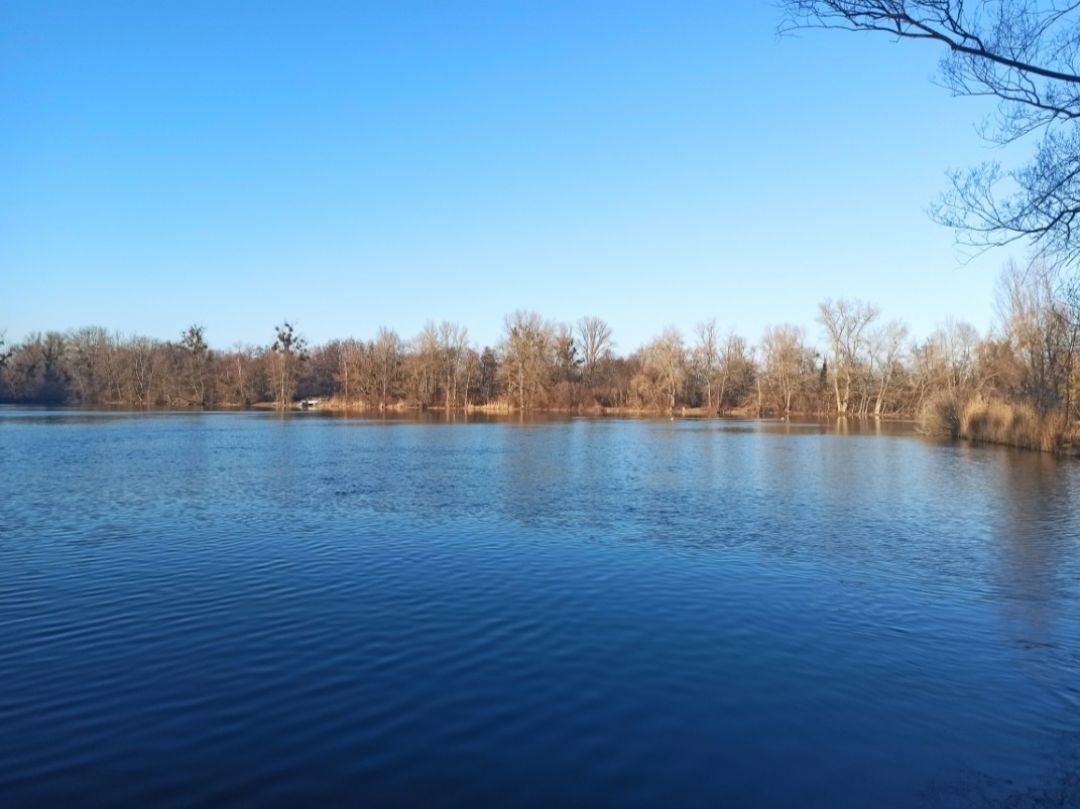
pixel 974 417
pixel 939 416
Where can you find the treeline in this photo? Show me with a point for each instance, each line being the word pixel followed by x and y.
pixel 859 365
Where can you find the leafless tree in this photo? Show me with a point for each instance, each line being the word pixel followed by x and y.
pixel 146 359
pixel 453 342
pixel 349 368
pixel 947 359
pixel 846 324
pixel 5 355
pixel 1026 55
pixel 89 364
pixel 886 347
pixel 707 359
pixel 528 348
pixel 386 353
pixel 786 363
pixel 425 365
pixel 737 372
pixel 238 372
pixel 193 341
pixel 664 360
pixel 289 351
pixel 595 339
pixel 1042 334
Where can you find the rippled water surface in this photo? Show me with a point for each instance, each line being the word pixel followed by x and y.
pixel 248 609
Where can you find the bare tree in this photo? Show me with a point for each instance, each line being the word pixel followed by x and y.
pixel 487 376
pixel 1042 333
pixel 594 336
pixel 1026 55
pixel 949 357
pixel 348 371
pixel 736 371
pixel 238 374
pixel 470 367
pixel 453 343
pixel 4 357
pixel 845 325
pixel 664 358
pixel 289 351
pixel 426 365
pixel 38 370
pixel 786 363
pixel 193 341
pixel 146 361
pixel 89 364
pixel 386 351
pixel 886 346
pixel 528 357
pixel 707 359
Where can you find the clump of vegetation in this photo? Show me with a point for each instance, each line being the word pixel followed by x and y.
pixel 991 420
pixel 940 415
pixel 1015 424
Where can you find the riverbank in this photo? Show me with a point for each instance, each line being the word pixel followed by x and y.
pixel 986 420
pixel 337 404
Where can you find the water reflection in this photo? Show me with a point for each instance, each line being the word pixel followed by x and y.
pixel 1033 533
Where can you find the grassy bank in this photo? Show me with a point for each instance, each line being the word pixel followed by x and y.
pixel 974 417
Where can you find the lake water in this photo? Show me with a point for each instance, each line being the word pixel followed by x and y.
pixel 252 609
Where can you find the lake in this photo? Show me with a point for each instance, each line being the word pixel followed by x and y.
pixel 253 609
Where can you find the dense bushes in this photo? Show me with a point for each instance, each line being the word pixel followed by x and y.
pixel 940 414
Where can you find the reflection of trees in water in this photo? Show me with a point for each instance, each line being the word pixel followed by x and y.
pixel 976 517
pixel 1037 563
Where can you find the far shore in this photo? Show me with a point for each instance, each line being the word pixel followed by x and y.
pixel 977 422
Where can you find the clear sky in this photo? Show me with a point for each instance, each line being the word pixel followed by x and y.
pixel 347 165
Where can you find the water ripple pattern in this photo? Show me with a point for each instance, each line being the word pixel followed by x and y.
pixel 247 609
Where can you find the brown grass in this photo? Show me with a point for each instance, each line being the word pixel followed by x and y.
pixel 939 416
pixel 975 417
pixel 1013 424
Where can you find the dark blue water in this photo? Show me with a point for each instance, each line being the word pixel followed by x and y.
pixel 246 609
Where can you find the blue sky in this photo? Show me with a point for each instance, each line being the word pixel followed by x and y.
pixel 347 165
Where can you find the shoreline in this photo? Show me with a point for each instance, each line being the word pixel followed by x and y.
pixel 1065 449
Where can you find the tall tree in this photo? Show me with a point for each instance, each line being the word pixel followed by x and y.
pixel 594 337
pixel 787 363
pixel 453 342
pixel 665 357
pixel 386 353
pixel 528 348
pixel 487 376
pixel 193 341
pixel 145 361
pixel 289 351
pixel 426 364
pixel 240 375
pixel 886 345
pixel 707 358
pixel 1042 334
pixel 568 360
pixel 737 372
pixel 846 324
pixel 5 355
